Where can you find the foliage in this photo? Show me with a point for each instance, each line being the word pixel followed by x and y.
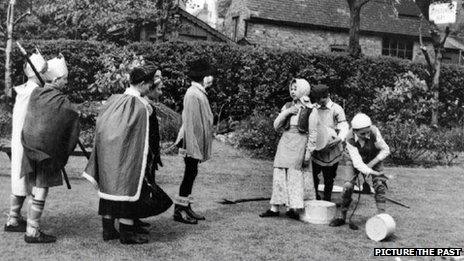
pixel 169 121
pixel 407 99
pixel 251 84
pixel 257 134
pixel 114 78
pixel 411 143
pixel 242 85
pixel 82 58
pixel 118 21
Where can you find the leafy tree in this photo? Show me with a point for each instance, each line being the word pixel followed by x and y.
pixel 438 36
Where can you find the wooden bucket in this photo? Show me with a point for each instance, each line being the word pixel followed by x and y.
pixel 318 212
pixel 380 226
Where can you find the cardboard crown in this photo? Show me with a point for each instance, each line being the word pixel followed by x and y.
pixel 56 68
pixel 39 63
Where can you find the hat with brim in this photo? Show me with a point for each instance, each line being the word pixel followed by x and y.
pixel 319 91
pixel 199 68
pixel 325 136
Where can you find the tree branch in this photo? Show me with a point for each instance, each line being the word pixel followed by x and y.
pixel 2 30
pixel 363 2
pixel 22 16
pixel 423 48
pixel 447 32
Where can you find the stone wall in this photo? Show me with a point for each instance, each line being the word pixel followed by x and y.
pixel 307 39
pixel 237 9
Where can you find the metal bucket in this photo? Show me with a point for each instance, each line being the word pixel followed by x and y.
pixel 318 212
pixel 380 226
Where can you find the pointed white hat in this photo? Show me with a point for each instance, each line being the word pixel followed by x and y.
pixel 39 63
pixel 56 68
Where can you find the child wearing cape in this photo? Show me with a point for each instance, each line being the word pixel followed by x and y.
pixel 297 120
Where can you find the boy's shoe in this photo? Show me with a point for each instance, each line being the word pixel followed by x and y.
pixel 129 237
pixel 337 222
pixel 109 232
pixel 42 238
pixel 269 213
pixel 181 215
pixel 192 213
pixel 141 230
pixel 20 227
pixel 293 214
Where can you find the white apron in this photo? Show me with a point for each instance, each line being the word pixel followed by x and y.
pixel 19 186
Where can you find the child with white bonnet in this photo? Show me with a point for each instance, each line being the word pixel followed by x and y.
pixel 298 123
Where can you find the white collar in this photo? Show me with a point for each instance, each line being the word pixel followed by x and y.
pixel 25 87
pixel 31 83
pixel 133 91
pixel 328 105
pixel 199 86
pixel 136 93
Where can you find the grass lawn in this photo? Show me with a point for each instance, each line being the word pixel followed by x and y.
pixel 232 232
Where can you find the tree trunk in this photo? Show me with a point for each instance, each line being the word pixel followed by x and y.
pixel 435 87
pixel 9 47
pixel 354 49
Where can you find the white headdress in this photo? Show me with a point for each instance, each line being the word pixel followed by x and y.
pixel 39 63
pixel 56 68
pixel 360 121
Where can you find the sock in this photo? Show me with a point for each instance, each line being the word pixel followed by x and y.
pixel 274 208
pixel 16 203
pixel 127 222
pixel 380 207
pixel 36 208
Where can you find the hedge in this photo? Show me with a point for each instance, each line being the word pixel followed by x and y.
pixel 252 84
pixel 248 78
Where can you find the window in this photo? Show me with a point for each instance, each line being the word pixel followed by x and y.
pixel 235 24
pixel 397 48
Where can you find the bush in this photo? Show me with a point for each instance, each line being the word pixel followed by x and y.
pixel 82 58
pixel 413 144
pixel 169 121
pixel 247 78
pixel 407 99
pixel 257 134
pixel 5 121
pixel 251 84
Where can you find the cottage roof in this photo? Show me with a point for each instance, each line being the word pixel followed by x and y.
pixel 203 25
pixel 377 16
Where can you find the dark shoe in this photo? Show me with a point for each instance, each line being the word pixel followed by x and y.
pixel 129 237
pixel 192 213
pixel 21 227
pixel 141 230
pixel 140 223
pixel 109 232
pixel 337 222
pixel 269 213
pixel 181 215
pixel 293 214
pixel 41 239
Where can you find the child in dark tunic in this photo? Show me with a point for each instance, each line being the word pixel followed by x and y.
pixel 367 150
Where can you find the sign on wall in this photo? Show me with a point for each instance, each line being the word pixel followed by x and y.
pixel 443 13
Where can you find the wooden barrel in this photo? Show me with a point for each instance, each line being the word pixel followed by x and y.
pixel 380 226
pixel 318 212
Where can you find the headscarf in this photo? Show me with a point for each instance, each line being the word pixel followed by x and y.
pixel 302 90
